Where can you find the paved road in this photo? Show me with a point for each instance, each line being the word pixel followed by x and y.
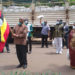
pixel 41 60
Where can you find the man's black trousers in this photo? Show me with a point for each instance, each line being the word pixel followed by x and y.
pixel 29 44
pixel 21 51
pixel 44 40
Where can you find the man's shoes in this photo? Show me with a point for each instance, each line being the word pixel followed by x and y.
pixel 19 66
pixel 42 47
pixel 24 66
pixel 57 52
pixel 46 46
pixel 29 52
pixel 8 51
pixel 60 52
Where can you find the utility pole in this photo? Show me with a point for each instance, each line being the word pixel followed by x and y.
pixel 0 10
pixel 9 2
pixel 33 11
pixel 1 5
pixel 67 11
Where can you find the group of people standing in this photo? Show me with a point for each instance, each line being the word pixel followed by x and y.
pixel 22 38
pixel 60 35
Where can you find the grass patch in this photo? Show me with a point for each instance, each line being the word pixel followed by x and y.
pixel 28 73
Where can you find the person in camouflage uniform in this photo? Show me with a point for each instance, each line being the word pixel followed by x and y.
pixel 57 34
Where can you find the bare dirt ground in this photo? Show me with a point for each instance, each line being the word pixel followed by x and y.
pixel 41 60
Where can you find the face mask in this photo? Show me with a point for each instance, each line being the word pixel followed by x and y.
pixel 26 22
pixel 73 27
pixel 20 24
pixel 60 22
pixel 57 23
pixel 45 23
pixel 1 22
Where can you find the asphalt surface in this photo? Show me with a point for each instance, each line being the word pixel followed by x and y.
pixel 41 60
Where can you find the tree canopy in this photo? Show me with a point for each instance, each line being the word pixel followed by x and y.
pixel 29 1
